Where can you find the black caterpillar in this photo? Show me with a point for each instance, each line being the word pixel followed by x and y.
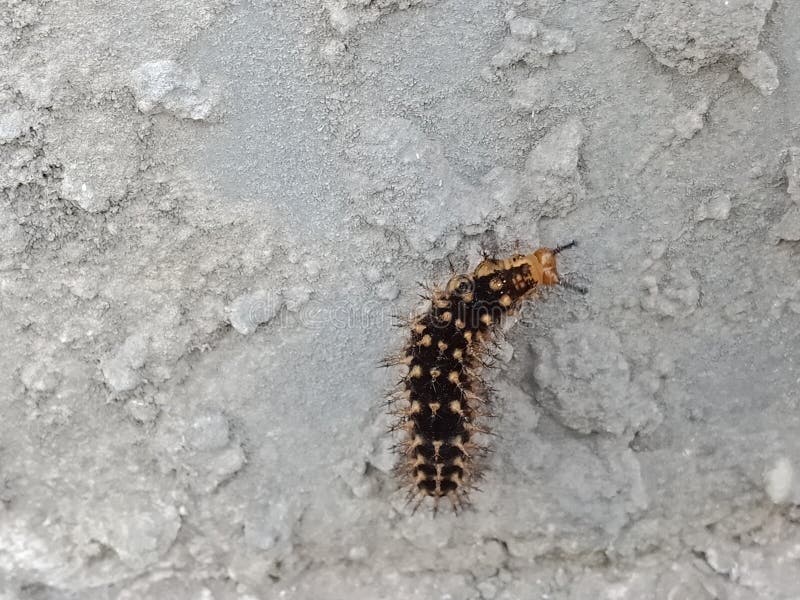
pixel 443 401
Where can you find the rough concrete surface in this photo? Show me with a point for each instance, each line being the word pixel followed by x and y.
pixel 210 210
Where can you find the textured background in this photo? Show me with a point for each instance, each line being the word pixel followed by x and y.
pixel 211 208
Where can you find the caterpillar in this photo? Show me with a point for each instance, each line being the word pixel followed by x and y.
pixel 443 402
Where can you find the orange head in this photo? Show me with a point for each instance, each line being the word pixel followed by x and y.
pixel 520 274
pixel 546 272
pixel 540 266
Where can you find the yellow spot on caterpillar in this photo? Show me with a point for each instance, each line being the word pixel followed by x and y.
pixel 435 406
pixel 446 316
pixel 455 406
pixel 460 324
pixel 398 359
pixel 496 284
pixel 415 408
pixel 487 267
pixel 441 303
pixel 427 340
pixel 468 297
pixel 419 328
pixel 435 373
pixel 438 479
pixel 505 300
pixel 442 346
pixel 468 336
pixel 454 377
pixel 486 319
pixel 458 353
pixel 416 371
pixel 437 445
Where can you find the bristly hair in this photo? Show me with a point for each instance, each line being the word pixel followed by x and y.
pixel 443 401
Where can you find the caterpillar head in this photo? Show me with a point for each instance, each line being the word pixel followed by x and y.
pixel 509 280
pixel 521 272
pixel 546 258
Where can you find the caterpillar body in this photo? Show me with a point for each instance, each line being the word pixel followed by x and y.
pixel 442 404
